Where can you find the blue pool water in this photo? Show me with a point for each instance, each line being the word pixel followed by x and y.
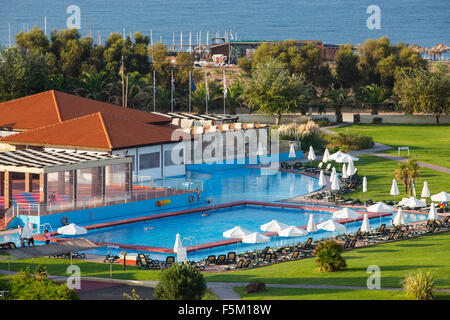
pixel 253 184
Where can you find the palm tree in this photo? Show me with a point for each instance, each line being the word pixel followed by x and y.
pixel 413 173
pixel 234 96
pixel 373 96
pixel 93 85
pixel 401 173
pixel 337 98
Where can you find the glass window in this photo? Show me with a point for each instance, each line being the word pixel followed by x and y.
pixel 149 161
pixel 168 161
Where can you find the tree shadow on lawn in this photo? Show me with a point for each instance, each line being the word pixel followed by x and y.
pixel 391 268
pixel 412 245
pixel 376 251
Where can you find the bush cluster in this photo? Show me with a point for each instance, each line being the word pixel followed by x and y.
pixel 349 141
pixel 308 133
pixel 329 256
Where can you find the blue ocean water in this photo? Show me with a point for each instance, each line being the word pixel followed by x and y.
pixel 410 21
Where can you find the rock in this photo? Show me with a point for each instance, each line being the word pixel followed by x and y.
pixel 256 286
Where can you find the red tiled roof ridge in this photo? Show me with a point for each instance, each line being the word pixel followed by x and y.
pixel 50 125
pixel 108 139
pixel 27 97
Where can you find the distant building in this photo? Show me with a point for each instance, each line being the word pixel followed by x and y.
pixel 234 50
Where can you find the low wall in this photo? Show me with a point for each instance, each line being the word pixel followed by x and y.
pixel 94 215
pixel 348 117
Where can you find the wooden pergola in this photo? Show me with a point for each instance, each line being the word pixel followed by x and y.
pixel 42 163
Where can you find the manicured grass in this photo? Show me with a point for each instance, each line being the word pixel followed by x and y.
pixel 396 260
pixel 430 143
pixel 327 294
pixel 380 172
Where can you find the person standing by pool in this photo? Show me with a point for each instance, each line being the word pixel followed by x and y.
pixel 47 236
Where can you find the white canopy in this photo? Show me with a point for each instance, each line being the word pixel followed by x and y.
pixel 394 188
pixel 346 213
pixel 72 229
pixel 255 237
pixel 364 184
pixel 441 197
pixel 178 245
pixel 322 180
pixel 402 202
pixel 331 225
pixel 380 207
pixel 292 231
pixel 311 154
pixel 326 156
pixel 414 203
pixel 398 219
pixel 432 215
pixel 311 224
pixel 365 227
pixel 273 226
pixel 336 155
pixel 425 190
pixel 236 232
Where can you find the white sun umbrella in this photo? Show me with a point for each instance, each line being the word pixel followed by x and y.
pixel 236 232
pixel 255 238
pixel 380 207
pixel 273 226
pixel 178 245
pixel 311 227
pixel 398 219
pixel 331 225
pixel 414 203
pixel 441 197
pixel 292 232
pixel 311 154
pixel 346 213
pixel 335 183
pixel 72 230
pixel 26 231
pixel 344 172
pixel 432 215
pixel 365 227
pixel 425 191
pixel 322 180
pixel 292 151
pixel 326 156
pixel 394 189
pixel 333 173
pixel 336 155
pixel 351 168
pixel 346 158
pixel 364 184
pixel 402 202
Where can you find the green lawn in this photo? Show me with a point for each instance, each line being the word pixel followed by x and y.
pixel 396 260
pixel 430 143
pixel 327 294
pixel 380 172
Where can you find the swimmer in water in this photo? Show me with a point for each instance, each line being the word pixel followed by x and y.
pixel 205 214
pixel 149 228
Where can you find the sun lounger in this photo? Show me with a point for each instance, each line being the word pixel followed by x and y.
pixel 110 258
pixel 169 261
pixel 231 257
pixel 221 259
pixel 210 260
pixel 147 263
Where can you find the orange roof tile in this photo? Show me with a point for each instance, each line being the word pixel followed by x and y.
pixel 96 131
pixel 50 107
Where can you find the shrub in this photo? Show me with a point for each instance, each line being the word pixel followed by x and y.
pixel 349 141
pixel 308 133
pixel 36 286
pixel 419 286
pixel 180 282
pixel 329 256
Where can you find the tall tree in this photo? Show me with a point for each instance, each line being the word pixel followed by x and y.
pixel 34 41
pixel 273 90
pixel 421 90
pixel 373 97
pixel 21 74
pixel 347 72
pixel 337 99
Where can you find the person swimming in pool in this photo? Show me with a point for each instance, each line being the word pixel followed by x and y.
pixel 149 228
pixel 204 214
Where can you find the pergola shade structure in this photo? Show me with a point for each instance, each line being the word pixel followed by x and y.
pixel 64 173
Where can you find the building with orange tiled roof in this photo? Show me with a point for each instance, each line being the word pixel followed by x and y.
pixel 54 120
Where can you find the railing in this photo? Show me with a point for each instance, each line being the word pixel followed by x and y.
pixel 8 216
pixel 144 188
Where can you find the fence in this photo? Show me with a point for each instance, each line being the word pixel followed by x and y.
pixel 144 188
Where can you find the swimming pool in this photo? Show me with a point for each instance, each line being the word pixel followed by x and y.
pixel 198 229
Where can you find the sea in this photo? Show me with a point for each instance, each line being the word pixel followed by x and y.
pixel 424 22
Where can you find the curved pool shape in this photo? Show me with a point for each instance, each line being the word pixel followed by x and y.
pixel 253 184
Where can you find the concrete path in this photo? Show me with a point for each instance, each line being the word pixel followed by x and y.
pixel 421 164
